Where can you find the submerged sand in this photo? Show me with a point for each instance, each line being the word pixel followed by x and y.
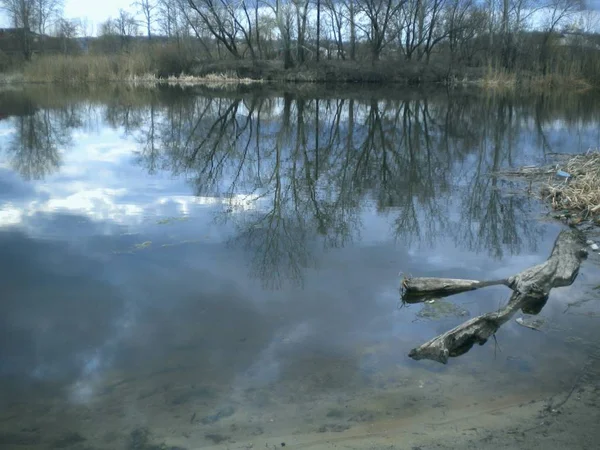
pixel 497 400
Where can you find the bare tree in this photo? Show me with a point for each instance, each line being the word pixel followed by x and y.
pixel 219 17
pixel 380 15
pixel 86 27
pixel 66 30
pixel 463 22
pixel 337 25
pixel 108 33
pixel 127 26
pixel 22 14
pixel 318 29
pixel 559 11
pixel 301 7
pixel 45 12
pixel 168 18
pixel 514 20
pixel 352 7
pixel 31 16
pixel 109 28
pixel 117 33
pixel 283 17
pixel 147 8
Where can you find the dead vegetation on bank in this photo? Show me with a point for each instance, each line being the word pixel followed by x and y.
pixel 170 65
pixel 217 80
pixel 149 66
pixel 135 68
pixel 580 192
pixel 571 186
pixel 503 82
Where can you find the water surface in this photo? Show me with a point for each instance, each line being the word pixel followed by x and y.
pixel 216 267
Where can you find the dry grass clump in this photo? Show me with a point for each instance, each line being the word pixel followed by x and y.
pixel 136 67
pixel 552 81
pixel 209 80
pixel 498 80
pixel 580 193
pixel 503 80
pixel 87 68
pixel 8 79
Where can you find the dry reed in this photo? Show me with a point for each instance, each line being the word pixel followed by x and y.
pixel 136 68
pixel 503 80
pixel 87 68
pixel 210 80
pixel 579 194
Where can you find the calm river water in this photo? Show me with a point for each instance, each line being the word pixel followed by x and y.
pixel 219 268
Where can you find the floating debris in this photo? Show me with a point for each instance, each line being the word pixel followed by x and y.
pixel 143 245
pixel 438 309
pixel 576 197
pixel 574 340
pixel 187 241
pixel 534 324
pixel 170 220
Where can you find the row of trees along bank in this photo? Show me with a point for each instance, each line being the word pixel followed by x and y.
pixel 540 36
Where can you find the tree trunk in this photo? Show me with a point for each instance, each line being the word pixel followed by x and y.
pixel 352 31
pixel 318 29
pixel 257 28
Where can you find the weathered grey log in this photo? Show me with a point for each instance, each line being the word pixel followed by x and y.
pixel 460 339
pixel 531 289
pixel 420 288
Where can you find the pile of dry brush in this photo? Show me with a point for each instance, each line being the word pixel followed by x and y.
pixel 579 194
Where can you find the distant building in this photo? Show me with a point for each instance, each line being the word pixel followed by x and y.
pixel 578 39
pixel 14 40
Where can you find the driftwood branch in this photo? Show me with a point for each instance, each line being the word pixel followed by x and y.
pixel 416 290
pixel 531 289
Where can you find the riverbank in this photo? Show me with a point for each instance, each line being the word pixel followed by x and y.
pixel 102 69
pixel 138 69
pixel 570 187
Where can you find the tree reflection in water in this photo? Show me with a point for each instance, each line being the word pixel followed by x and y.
pixel 306 168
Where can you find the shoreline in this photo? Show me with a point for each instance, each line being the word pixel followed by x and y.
pixel 219 80
pixel 74 71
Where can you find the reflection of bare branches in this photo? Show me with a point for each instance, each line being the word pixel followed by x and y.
pixel 277 245
pixel 399 160
pixel 320 164
pixel 315 162
pixel 492 220
pixel 36 144
pixel 120 114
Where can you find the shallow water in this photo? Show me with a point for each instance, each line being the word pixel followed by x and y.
pixel 195 268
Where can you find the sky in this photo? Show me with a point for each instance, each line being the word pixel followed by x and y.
pixel 96 11
pixel 99 11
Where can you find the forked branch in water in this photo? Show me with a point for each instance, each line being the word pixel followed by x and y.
pixel 531 289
